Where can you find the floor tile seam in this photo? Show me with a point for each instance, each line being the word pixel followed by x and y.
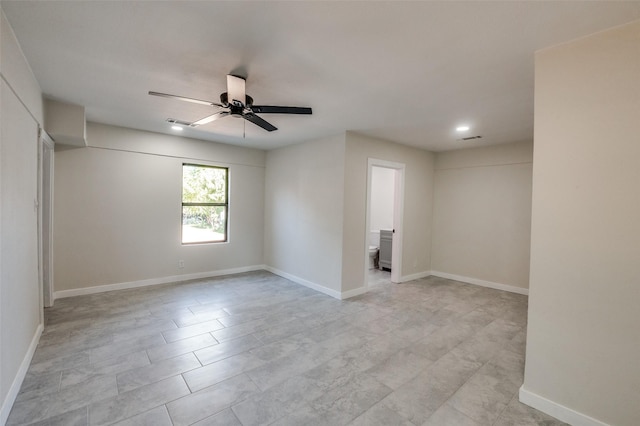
pixel 256 384
pixel 20 397
pixel 244 321
pixel 119 337
pixel 92 401
pixel 459 387
pixel 115 328
pixel 146 352
pixel 417 373
pixel 287 412
pixel 191 392
pixel 206 316
pixel 195 324
pixel 390 391
pixel 60 382
pixel 262 342
pixel 236 402
pixel 448 352
pixel 149 409
pixel 63 369
pixel 458 411
pixel 156 380
pixel 219 309
pixel 96 376
pixel 473 335
pixel 243 300
pixel 368 331
pixel 232 412
pixel 261 312
pixel 508 349
pixel 299 374
pixel 217 360
pixel 146 411
pixel 92 361
pixel 210 333
pixel 37 419
pixel 478 420
pixel 80 348
pixel 124 391
pixel 515 394
pixel 71 319
pixel 86 407
pixel 58 389
pixel 78 324
pixel 20 401
pixel 475 373
pixel 501 345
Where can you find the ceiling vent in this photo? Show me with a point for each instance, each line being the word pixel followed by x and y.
pixel 470 138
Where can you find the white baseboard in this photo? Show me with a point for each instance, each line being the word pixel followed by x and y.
pixel 556 410
pixel 352 293
pixel 306 283
pixel 423 274
pixel 200 275
pixel 7 404
pixel 483 283
pixel 154 281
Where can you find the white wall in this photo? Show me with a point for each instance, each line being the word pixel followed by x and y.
pixel 418 199
pixel 303 212
pixel 482 214
pixel 18 73
pixel 583 342
pixel 382 190
pixel 117 210
pixel 20 313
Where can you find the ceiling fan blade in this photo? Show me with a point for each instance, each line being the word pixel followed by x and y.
pixel 236 89
pixel 182 98
pixel 210 118
pixel 260 122
pixel 269 109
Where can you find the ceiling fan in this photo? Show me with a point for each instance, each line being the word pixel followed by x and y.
pixel 235 102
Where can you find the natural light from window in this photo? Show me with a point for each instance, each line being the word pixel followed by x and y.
pixel 205 204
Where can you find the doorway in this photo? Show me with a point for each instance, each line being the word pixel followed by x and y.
pixel 385 201
pixel 45 218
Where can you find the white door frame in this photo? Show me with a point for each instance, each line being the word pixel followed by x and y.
pixel 398 215
pixel 45 217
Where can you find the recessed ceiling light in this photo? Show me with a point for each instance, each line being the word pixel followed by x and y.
pixel 177 127
pixel 462 128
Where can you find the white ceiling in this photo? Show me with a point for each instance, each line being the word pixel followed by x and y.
pixel 409 72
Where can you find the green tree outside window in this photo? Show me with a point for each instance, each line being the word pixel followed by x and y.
pixel 205 203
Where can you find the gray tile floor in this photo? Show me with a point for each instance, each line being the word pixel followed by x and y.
pixel 255 349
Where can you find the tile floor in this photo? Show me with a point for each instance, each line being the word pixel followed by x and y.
pixel 255 348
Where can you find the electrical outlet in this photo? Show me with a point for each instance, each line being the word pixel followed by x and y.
pixel 180 264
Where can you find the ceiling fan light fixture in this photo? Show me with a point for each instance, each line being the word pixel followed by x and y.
pixel 462 128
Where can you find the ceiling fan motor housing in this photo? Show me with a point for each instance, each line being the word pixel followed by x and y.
pixel 224 100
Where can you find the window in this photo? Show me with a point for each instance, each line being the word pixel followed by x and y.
pixel 205 204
